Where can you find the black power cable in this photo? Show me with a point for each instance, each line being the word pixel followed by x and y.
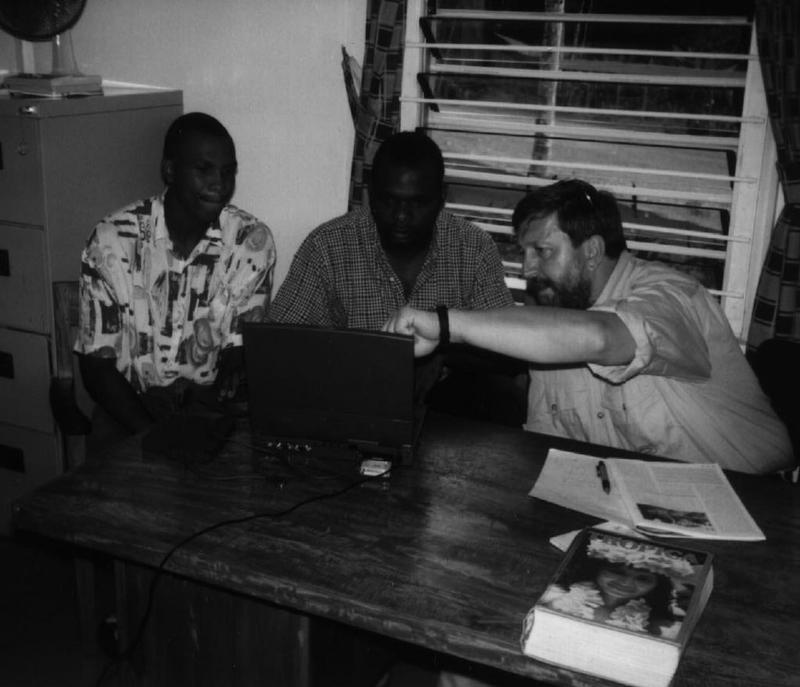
pixel 126 655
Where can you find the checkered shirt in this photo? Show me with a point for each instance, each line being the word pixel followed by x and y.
pixel 340 276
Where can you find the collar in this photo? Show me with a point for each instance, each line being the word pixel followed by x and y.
pixel 379 254
pixel 161 233
pixel 621 269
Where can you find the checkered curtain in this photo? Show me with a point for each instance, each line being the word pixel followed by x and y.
pixel 776 311
pixel 378 113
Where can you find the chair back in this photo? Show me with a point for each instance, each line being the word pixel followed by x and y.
pixel 66 390
pixel 65 313
pixel 776 363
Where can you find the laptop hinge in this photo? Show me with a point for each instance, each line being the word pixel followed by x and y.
pixel 372 448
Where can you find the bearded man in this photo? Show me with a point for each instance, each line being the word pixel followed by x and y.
pixel 625 352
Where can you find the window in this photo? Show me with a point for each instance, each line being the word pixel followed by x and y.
pixel 662 105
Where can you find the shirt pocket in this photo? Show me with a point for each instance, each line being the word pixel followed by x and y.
pixel 566 399
pixel 636 414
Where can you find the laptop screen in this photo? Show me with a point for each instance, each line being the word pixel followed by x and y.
pixel 347 387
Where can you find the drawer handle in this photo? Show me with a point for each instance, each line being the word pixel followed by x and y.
pixel 12 458
pixel 6 365
pixel 5 263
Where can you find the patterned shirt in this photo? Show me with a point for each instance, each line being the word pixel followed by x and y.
pixel 162 317
pixel 340 276
pixel 688 393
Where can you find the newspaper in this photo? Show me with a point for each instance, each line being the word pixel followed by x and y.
pixel 656 498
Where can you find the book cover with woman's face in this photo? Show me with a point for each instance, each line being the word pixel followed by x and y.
pixel 634 585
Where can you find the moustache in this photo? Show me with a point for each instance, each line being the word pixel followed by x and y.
pixel 536 285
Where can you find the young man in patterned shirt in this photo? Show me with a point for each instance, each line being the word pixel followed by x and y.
pixel 166 281
pixel 405 249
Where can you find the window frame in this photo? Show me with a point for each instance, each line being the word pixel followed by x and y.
pixel 754 199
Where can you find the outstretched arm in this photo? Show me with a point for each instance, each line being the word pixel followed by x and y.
pixel 536 334
pixel 422 325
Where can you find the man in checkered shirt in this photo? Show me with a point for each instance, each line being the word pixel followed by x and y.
pixel 356 270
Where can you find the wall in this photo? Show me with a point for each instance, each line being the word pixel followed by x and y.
pixel 269 69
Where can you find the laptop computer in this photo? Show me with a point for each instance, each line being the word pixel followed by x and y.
pixel 331 392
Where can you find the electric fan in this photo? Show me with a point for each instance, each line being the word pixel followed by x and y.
pixel 47 20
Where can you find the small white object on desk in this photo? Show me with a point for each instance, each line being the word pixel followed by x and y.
pixel 373 467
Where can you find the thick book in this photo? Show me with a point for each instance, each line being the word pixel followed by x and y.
pixel 658 498
pixel 620 608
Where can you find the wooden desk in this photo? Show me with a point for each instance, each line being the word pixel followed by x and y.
pixel 449 553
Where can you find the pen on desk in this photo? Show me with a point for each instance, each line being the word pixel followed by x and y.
pixel 602 473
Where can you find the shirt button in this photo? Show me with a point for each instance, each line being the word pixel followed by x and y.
pixel 601 414
pixel 554 408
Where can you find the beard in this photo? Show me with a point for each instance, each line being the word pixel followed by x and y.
pixel 574 293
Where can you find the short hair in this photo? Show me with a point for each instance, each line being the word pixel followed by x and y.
pixel 412 149
pixel 192 123
pixel 581 209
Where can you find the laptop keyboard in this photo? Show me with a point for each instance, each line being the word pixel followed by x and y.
pixel 310 448
pixel 321 450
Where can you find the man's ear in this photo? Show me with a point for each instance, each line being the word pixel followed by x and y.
pixel 594 249
pixel 167 171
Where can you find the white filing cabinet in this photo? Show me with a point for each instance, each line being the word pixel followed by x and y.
pixel 64 164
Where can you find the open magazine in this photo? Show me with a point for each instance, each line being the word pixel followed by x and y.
pixel 657 498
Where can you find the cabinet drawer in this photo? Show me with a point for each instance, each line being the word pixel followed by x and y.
pixel 27 460
pixel 21 195
pixel 25 380
pixel 23 279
